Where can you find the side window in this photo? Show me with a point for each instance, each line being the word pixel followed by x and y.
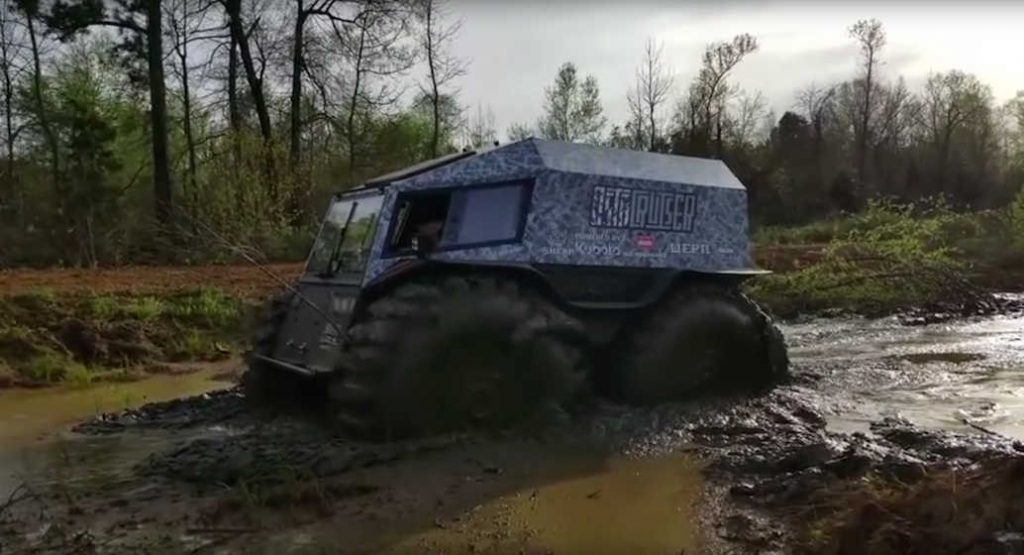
pixel 456 218
pixel 418 214
pixel 485 215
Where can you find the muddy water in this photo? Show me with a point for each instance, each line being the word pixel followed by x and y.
pixel 36 447
pixel 857 371
pixel 938 376
pixel 640 507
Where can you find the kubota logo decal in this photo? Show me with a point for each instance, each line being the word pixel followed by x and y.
pixel 620 207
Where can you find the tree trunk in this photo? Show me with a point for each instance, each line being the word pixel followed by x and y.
pixel 42 114
pixel 255 83
pixel 234 112
pixel 865 120
pixel 158 113
pixel 435 97
pixel 7 192
pixel 294 151
pixel 651 106
pixel 234 9
pixel 350 124
pixel 190 143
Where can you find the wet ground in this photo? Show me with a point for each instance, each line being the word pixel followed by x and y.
pixel 203 475
pixel 36 444
pixel 943 376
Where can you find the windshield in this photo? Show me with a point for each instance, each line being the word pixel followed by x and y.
pixel 343 245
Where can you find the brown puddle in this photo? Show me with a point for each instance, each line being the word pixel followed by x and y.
pixel 33 423
pixel 642 507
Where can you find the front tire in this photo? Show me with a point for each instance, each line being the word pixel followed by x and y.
pixel 457 353
pixel 703 336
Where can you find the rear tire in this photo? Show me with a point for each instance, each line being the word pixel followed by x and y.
pixel 457 353
pixel 702 337
pixel 265 385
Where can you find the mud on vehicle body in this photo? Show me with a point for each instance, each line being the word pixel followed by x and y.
pixel 485 288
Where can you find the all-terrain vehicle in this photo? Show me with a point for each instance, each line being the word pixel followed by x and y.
pixel 485 287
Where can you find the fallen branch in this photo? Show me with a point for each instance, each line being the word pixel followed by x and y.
pixel 219 530
pixel 966 421
pixel 20 493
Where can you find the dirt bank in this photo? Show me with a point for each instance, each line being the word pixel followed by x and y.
pixel 47 338
pixel 244 280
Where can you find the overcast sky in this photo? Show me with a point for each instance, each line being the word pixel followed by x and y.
pixel 515 47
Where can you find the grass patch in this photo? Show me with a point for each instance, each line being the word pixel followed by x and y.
pixel 207 308
pixel 75 338
pixel 111 307
pixel 196 345
pixel 50 367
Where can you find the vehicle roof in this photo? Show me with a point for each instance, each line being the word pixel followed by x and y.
pixel 634 164
pixel 588 159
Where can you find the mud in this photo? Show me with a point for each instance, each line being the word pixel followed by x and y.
pixel 242 280
pixel 869 401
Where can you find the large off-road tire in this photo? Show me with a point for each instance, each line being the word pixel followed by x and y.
pixel 704 336
pixel 265 385
pixel 457 353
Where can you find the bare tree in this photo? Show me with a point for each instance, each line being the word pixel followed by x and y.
pixel 241 31
pixel 702 112
pixel 898 115
pixel 30 11
pixel 870 36
pixel 951 101
pixel 750 111
pixel 634 134
pixel 818 103
pixel 519 131
pixel 187 24
pixel 336 12
pixel 443 67
pixel 654 83
pixel 480 130
pixel 373 47
pixel 12 44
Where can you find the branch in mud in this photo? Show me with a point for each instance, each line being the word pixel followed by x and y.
pixel 21 493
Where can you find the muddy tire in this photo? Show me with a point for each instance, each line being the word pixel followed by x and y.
pixel 265 385
pixel 454 354
pixel 703 337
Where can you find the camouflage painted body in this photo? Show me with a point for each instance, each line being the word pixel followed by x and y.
pixel 599 207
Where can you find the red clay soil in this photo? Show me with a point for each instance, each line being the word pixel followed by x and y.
pixel 242 280
pixel 250 281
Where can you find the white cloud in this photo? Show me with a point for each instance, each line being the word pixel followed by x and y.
pixel 516 47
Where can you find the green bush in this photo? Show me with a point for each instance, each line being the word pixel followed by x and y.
pixel 103 307
pixel 49 367
pixel 887 258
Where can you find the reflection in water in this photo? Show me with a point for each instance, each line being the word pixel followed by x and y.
pixel 635 506
pixel 34 443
